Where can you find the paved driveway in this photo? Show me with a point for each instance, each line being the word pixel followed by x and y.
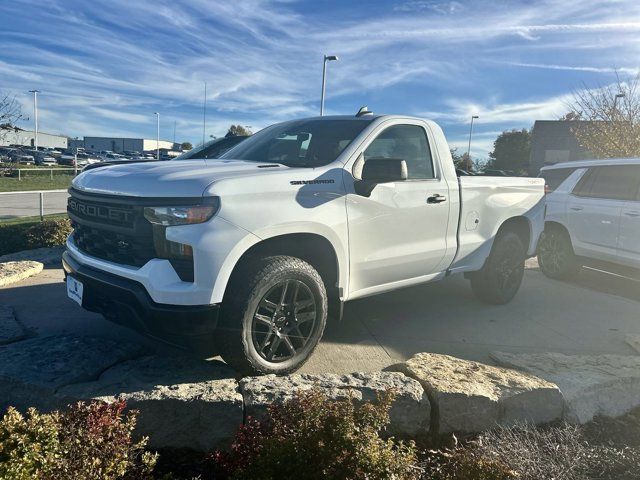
pixel 27 204
pixel 590 315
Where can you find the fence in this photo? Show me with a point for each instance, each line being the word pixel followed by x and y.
pixel 50 170
pixel 16 204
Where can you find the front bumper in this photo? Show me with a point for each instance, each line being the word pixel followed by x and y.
pixel 126 302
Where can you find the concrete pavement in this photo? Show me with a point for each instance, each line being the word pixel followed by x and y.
pixel 581 317
pixel 27 204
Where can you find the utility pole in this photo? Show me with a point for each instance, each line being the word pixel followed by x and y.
pixel 174 131
pixel 35 114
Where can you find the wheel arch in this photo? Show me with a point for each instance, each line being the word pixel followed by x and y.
pixel 314 249
pixel 520 225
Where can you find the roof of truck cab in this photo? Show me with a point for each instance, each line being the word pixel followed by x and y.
pixel 593 163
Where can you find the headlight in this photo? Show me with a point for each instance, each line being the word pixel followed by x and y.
pixel 183 215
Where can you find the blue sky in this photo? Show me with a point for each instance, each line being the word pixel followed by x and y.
pixel 104 66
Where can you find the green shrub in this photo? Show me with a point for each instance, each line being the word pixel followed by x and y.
pixel 86 442
pixel 48 233
pixel 312 437
pixel 28 446
pixel 24 236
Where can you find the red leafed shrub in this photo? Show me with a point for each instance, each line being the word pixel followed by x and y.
pixel 312 437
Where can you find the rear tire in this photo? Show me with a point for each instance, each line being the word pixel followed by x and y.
pixel 556 257
pixel 501 276
pixel 273 316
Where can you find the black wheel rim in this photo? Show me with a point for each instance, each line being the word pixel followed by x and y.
pixel 510 268
pixel 284 321
pixel 553 254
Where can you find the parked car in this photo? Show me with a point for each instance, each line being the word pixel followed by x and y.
pixel 84 159
pixel 212 149
pixel 247 255
pixel 592 217
pixel 4 154
pixel 20 156
pixel 44 158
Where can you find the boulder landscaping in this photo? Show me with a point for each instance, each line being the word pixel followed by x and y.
pixel 592 385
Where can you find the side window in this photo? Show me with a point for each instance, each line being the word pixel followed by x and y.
pixel 555 176
pixel 617 182
pixel 406 142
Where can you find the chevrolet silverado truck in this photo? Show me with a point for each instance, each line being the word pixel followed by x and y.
pixel 247 255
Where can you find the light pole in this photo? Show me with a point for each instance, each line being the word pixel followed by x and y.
pixel 35 115
pixel 157 114
pixel 204 112
pixel 473 117
pixel 615 102
pixel 327 58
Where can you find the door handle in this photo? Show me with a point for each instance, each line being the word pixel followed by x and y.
pixel 437 198
pixel 577 209
pixel 632 214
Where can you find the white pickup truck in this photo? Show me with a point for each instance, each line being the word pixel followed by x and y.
pixel 247 255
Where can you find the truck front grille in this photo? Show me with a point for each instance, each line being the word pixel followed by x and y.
pixel 113 246
pixel 113 228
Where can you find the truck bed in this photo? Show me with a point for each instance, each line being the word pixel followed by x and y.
pixel 486 202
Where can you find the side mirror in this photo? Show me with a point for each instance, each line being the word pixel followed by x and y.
pixel 384 170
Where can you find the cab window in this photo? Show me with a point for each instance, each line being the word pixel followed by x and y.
pixel 408 143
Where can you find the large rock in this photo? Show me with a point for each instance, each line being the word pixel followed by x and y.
pixel 471 397
pixel 591 384
pixel 45 255
pixel 11 272
pixel 633 341
pixel 31 371
pixel 183 402
pixel 409 414
pixel 10 329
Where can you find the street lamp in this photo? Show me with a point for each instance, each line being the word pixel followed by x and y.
pixel 157 135
pixel 473 117
pixel 327 58
pixel 615 102
pixel 35 114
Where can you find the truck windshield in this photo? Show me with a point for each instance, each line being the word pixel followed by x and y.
pixel 301 143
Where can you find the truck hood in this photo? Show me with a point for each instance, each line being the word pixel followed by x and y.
pixel 179 178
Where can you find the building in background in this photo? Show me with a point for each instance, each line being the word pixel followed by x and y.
pixel 18 136
pixel 119 144
pixel 553 141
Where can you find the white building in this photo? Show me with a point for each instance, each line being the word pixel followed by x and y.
pixel 119 144
pixel 17 136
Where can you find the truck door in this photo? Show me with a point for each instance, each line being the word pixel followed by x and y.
pixel 399 232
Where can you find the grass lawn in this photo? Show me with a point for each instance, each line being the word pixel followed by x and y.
pixel 31 220
pixel 44 182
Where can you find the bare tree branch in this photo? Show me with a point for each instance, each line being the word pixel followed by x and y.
pixel 609 118
pixel 10 114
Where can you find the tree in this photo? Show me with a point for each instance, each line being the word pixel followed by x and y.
pixel 10 113
pixel 609 117
pixel 465 161
pixel 238 131
pixel 186 146
pixel 511 151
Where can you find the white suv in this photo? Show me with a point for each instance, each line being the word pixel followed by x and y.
pixel 592 217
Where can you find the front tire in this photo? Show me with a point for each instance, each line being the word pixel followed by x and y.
pixel 556 257
pixel 501 276
pixel 273 316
